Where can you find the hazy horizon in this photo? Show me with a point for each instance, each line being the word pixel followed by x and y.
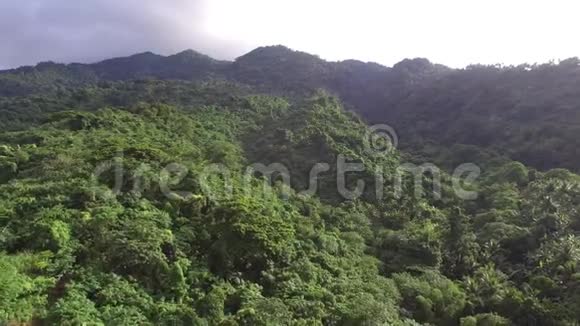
pixel 449 32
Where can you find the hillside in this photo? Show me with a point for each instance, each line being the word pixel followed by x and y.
pixel 182 190
pixel 478 105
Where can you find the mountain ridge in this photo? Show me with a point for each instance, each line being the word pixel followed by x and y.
pixel 280 49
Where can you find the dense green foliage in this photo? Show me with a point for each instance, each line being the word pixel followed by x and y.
pixel 130 202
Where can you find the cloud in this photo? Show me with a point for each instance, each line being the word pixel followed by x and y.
pixel 451 32
pixel 91 30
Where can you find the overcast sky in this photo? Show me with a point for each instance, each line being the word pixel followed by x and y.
pixel 451 32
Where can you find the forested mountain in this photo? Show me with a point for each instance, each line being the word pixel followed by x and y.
pixel 134 192
pixel 527 112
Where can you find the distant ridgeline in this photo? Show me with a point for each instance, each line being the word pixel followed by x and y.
pixel 134 192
